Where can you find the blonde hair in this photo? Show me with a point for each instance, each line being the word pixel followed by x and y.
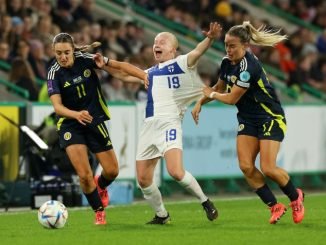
pixel 172 37
pixel 261 36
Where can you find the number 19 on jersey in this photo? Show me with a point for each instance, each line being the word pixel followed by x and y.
pixel 173 82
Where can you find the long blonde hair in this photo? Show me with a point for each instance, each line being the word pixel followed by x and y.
pixel 261 36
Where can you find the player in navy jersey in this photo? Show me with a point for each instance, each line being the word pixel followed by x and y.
pixel 262 125
pixel 75 92
pixel 173 84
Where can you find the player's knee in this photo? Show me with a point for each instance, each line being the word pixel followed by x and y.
pixel 110 173
pixel 86 178
pixel 268 171
pixel 177 175
pixel 143 181
pixel 247 169
pixel 114 173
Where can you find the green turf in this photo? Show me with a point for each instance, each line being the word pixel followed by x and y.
pixel 241 221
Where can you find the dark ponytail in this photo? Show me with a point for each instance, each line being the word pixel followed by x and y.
pixel 67 38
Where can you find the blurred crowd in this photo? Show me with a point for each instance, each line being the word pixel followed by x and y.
pixel 27 28
pixel 302 58
pixel 312 11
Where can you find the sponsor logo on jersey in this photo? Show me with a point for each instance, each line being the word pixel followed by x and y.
pixel 87 73
pixel 67 136
pixel 241 127
pixel 78 79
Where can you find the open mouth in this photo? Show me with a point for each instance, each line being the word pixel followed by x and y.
pixel 158 52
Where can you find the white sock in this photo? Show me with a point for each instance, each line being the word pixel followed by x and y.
pixel 153 196
pixel 191 185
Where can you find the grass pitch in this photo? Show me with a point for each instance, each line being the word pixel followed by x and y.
pixel 240 221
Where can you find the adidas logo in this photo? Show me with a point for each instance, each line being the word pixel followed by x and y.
pixel 67 84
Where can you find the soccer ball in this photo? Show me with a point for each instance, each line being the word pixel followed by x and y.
pixel 52 214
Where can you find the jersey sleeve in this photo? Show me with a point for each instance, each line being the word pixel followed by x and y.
pixel 247 74
pixel 87 59
pixel 182 62
pixel 223 70
pixel 53 86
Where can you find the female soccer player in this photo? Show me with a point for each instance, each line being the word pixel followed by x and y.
pixel 173 84
pixel 243 82
pixel 75 93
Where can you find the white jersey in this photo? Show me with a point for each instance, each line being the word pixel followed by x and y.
pixel 172 87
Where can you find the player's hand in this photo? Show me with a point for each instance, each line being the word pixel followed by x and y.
pixel 215 31
pixel 195 112
pixel 207 91
pixel 84 117
pixel 99 60
pixel 146 82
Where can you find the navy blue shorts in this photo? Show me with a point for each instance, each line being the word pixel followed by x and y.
pixel 96 137
pixel 272 129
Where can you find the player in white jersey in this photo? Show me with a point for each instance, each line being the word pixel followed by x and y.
pixel 173 84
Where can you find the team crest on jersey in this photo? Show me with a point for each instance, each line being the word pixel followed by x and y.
pixel 67 136
pixel 245 76
pixel 241 127
pixel 87 73
pixel 233 79
pixel 171 68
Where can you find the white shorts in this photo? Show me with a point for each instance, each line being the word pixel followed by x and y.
pixel 157 136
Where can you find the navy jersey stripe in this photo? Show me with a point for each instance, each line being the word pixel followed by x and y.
pixel 150 103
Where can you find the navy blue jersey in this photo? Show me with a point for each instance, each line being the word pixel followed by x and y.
pixel 79 86
pixel 260 101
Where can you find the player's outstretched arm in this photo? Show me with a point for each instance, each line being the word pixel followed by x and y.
pixel 121 70
pixel 125 77
pixel 214 32
pixel 124 68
